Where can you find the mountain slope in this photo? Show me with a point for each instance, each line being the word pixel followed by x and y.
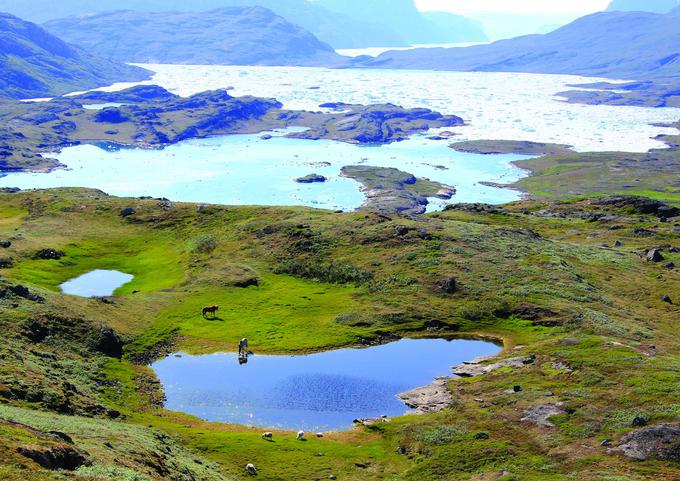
pixel 412 25
pixel 36 64
pixel 228 36
pixel 338 30
pixel 456 28
pixel 613 44
pixel 654 6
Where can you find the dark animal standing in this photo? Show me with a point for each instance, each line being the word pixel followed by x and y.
pixel 212 311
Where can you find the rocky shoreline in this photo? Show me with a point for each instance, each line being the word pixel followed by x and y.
pixel 152 117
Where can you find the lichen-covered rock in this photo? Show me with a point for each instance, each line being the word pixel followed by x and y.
pixel 540 414
pixel 655 442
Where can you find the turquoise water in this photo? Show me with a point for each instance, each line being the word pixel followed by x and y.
pixel 247 170
pixel 102 106
pixel 318 392
pixel 98 283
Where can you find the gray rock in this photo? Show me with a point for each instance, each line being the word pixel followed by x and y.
pixel 56 457
pixel 448 285
pixel 540 414
pixel 127 212
pixel 656 442
pixel 654 255
pixel 471 370
pixel 429 399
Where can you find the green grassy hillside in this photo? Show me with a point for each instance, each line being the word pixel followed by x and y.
pixel 551 278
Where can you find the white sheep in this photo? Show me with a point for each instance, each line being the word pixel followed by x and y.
pixel 300 435
pixel 251 469
pixel 268 436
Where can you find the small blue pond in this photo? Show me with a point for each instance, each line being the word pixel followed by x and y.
pixel 317 392
pixel 98 283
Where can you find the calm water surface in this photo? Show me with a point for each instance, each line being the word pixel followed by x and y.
pixel 247 170
pixel 98 283
pixel 318 392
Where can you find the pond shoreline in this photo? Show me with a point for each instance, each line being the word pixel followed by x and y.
pixel 173 390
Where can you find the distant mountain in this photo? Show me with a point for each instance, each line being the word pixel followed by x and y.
pixel 456 28
pixel 613 44
pixel 654 6
pixel 338 30
pixel 362 25
pixel 227 36
pixel 34 63
pixel 412 25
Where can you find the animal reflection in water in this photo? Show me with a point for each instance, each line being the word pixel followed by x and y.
pixel 243 351
pixel 210 312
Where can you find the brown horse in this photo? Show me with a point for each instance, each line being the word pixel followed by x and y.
pixel 212 310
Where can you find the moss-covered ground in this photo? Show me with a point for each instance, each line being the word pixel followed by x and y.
pixel 564 280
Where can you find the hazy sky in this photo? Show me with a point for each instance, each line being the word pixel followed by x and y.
pixel 515 6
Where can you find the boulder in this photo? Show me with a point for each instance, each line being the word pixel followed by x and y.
pixel 654 255
pixel 49 254
pixel 448 285
pixel 6 263
pixel 5 244
pixel 667 299
pixel 656 442
pixel 127 212
pixel 55 457
pixel 247 282
pixel 108 342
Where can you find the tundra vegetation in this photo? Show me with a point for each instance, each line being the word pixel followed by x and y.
pixel 586 285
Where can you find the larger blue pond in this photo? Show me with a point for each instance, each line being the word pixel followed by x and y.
pixel 317 392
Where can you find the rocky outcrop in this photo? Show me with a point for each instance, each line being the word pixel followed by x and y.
pixel 429 399
pixel 654 255
pixel 311 179
pixel 638 205
pixel 49 254
pixel 389 190
pixel 108 342
pixel 448 285
pixel 655 442
pixel 55 457
pixel 376 124
pixel 477 367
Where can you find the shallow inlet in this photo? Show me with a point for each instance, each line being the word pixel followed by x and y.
pixel 97 283
pixel 317 392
